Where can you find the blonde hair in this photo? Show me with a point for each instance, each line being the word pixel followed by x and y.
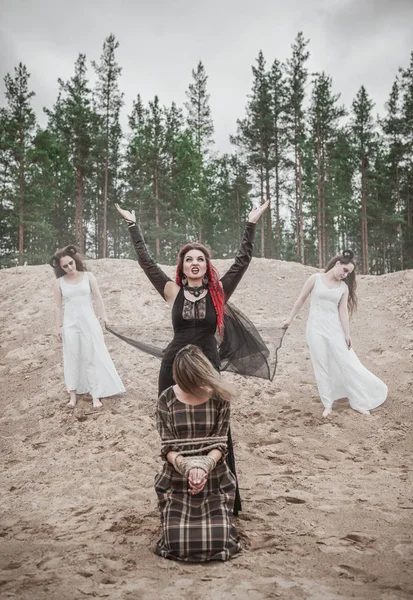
pixel 194 374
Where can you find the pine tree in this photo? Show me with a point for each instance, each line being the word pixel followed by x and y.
pixel 406 77
pixel 8 232
pixel 201 126
pixel 181 161
pixel 60 183
pixel 364 138
pixel 20 125
pixel 279 143
pixel 199 112
pixel 78 121
pixel 393 129
pixel 255 136
pixel 156 135
pixel 324 116
pixel 109 103
pixel 297 74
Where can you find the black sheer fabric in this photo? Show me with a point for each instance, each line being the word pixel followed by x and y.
pixel 242 350
pixel 147 348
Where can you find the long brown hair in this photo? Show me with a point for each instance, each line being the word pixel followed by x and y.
pixel 68 251
pixel 345 258
pixel 214 285
pixel 194 374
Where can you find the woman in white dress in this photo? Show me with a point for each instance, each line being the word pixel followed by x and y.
pixel 87 364
pixel 338 371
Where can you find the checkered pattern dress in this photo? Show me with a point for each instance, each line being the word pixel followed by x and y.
pixel 195 528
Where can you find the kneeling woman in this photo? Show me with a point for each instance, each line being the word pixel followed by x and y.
pixel 196 489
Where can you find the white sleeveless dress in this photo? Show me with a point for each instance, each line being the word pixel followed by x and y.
pixel 87 364
pixel 338 371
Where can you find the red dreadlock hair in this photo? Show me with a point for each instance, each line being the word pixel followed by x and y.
pixel 214 286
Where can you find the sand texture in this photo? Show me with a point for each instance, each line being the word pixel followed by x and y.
pixel 327 503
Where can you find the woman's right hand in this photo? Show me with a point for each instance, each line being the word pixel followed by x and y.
pixel 286 324
pixel 126 214
pixel 197 479
pixel 58 334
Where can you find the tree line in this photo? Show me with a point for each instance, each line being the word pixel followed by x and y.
pixel 335 177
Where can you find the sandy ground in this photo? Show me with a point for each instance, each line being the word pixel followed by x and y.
pixel 328 505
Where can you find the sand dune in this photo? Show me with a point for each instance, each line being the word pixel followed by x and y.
pixel 328 507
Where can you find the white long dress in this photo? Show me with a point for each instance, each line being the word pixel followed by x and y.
pixel 338 371
pixel 87 364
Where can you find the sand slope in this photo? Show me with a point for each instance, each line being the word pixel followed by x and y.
pixel 328 508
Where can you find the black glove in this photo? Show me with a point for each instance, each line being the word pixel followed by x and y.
pixel 242 260
pixel 155 275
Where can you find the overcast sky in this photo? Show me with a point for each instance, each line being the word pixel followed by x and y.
pixel 356 42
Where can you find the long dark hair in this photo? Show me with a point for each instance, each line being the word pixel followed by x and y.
pixel 195 375
pixel 214 285
pixel 345 258
pixel 68 251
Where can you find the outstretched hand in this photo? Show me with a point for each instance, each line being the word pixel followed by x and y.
pixel 257 212
pixel 126 214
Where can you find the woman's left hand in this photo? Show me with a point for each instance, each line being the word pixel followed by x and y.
pixel 348 342
pixel 196 479
pixel 257 212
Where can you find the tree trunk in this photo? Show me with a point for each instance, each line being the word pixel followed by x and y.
pixel 79 210
pixel 262 252
pixel 21 200
pixel 239 232
pixel 156 186
pixel 300 210
pixel 320 240
pixel 323 207
pixel 299 225
pixel 399 229
pixel 364 229
pixel 277 201
pixel 105 208
pixel 267 216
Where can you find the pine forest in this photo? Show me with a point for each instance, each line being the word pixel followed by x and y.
pixel 337 177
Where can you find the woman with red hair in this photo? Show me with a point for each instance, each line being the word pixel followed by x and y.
pixel 198 298
pixel 198 295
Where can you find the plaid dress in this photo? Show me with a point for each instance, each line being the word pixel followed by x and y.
pixel 195 528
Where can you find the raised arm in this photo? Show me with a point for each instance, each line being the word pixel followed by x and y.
pixel 305 292
pixel 98 298
pixel 58 310
pixel 160 281
pixel 244 255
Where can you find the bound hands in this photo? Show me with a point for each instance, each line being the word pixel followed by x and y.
pixel 257 212
pixel 197 479
pixel 126 214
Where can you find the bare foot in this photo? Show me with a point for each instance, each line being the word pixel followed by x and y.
pixel 97 403
pixel 327 411
pixel 365 412
pixel 73 400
